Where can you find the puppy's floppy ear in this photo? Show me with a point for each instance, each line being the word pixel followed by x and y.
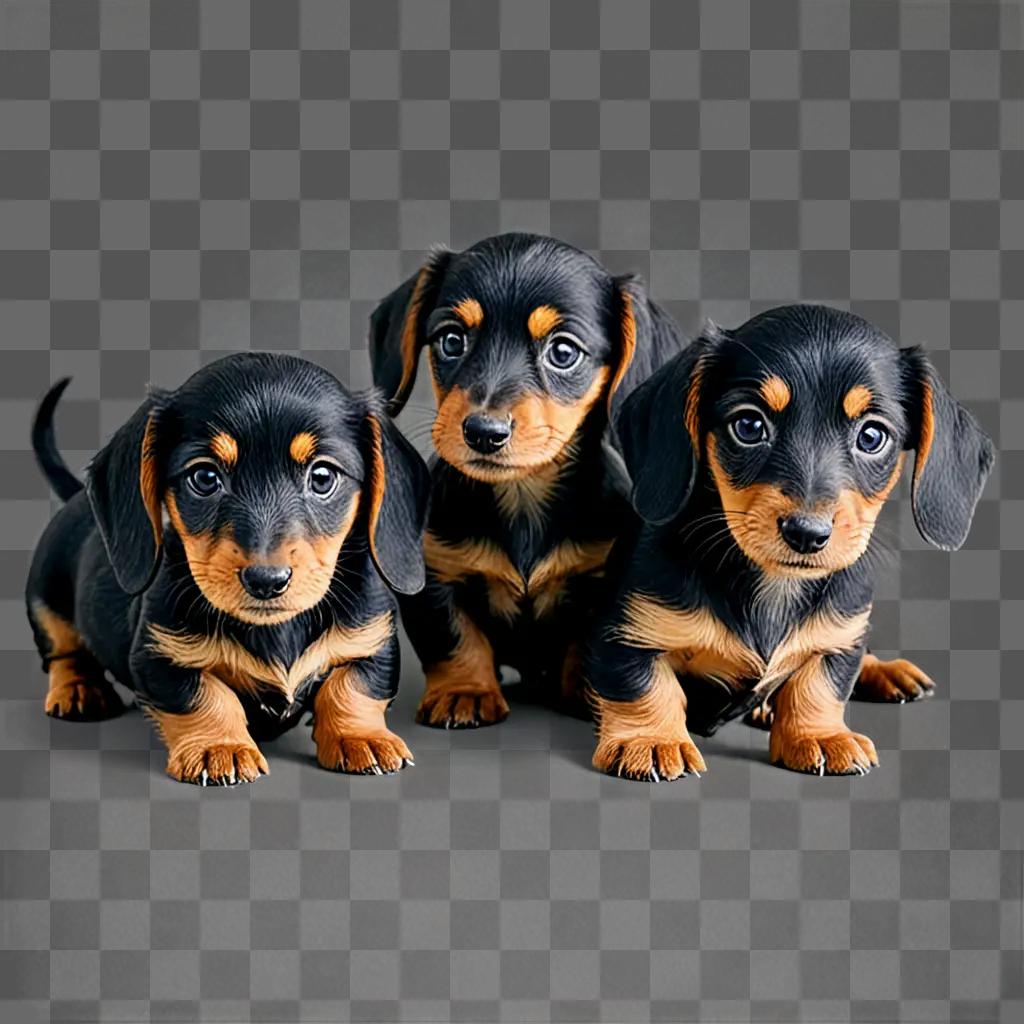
pixel 659 434
pixel 398 487
pixel 648 337
pixel 124 485
pixel 954 455
pixel 398 330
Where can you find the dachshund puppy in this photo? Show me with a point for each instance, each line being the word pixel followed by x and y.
pixel 229 559
pixel 760 460
pixel 530 342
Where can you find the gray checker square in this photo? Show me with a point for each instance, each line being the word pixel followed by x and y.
pixel 185 178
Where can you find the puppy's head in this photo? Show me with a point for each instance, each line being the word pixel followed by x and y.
pixel 525 336
pixel 264 466
pixel 799 420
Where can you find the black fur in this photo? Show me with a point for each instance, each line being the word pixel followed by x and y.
pixel 509 276
pixel 683 555
pixel 108 571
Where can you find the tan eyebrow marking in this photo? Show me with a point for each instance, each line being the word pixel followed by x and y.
pixel 775 391
pixel 857 400
pixel 225 448
pixel 302 447
pixel 470 312
pixel 543 320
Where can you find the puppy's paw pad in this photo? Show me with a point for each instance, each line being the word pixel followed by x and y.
pixel 83 701
pixel 892 682
pixel 649 759
pixel 841 753
pixel 223 764
pixel 462 709
pixel 381 753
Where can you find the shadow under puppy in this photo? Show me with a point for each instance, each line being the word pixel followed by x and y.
pixel 761 458
pixel 291 507
pixel 530 342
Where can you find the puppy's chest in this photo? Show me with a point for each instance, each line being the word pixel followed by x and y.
pixel 516 581
pixel 273 672
pixel 700 643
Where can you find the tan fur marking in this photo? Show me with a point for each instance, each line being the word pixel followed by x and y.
pixel 700 644
pixel 149 480
pixel 646 738
pixel 303 447
pixel 857 401
pixel 927 432
pixel 775 391
pixel 544 431
pixel 507 587
pixel 243 671
pixel 542 321
pixel 808 733
pixel 628 339
pixel 470 312
pixel 215 560
pixel 410 330
pixel 349 728
pixel 463 689
pixel 210 740
pixel 691 412
pixel 225 448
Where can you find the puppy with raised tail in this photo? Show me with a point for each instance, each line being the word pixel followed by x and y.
pixel 231 559
pixel 760 459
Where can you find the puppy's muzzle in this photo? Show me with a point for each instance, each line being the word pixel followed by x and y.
pixel 805 534
pixel 265 581
pixel 486 434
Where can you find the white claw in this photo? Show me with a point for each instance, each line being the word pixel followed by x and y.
pixel 204 777
pixel 821 768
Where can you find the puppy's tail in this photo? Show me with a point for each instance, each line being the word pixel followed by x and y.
pixel 64 483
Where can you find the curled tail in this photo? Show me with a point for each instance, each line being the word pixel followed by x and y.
pixel 64 483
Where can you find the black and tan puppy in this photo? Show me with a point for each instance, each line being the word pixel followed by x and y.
pixel 760 459
pixel 530 341
pixel 229 560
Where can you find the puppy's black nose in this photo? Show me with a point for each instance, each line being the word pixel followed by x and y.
pixel 805 534
pixel 485 434
pixel 265 581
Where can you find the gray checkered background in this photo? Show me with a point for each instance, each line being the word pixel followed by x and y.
pixel 183 179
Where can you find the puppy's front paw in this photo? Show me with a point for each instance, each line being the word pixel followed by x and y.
pixel 462 706
pixel 82 700
pixel 220 764
pixel 648 758
pixel 893 682
pixel 839 753
pixel 375 753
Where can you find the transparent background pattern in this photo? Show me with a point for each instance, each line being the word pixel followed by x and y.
pixel 182 179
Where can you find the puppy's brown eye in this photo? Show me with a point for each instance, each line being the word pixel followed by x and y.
pixel 563 353
pixel 451 344
pixel 323 479
pixel 203 479
pixel 749 429
pixel 872 438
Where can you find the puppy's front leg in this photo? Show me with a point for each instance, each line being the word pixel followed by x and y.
pixel 642 734
pixel 463 690
pixel 809 733
pixel 349 729
pixel 204 726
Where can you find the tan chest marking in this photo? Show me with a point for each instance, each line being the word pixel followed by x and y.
pixel 699 644
pixel 243 671
pixel 507 588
